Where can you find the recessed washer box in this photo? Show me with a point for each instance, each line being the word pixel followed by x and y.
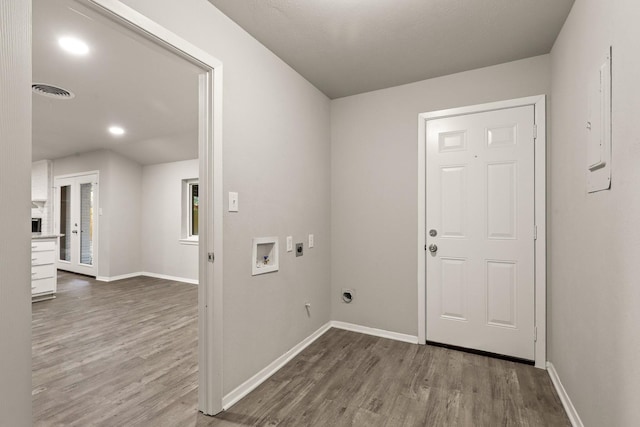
pixel 264 258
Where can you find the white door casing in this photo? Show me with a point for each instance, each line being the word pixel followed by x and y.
pixel 507 252
pixel 480 201
pixel 210 343
pixel 76 219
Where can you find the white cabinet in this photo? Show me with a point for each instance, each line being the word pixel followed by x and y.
pixel 43 268
pixel 40 180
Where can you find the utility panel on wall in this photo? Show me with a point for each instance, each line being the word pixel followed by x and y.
pixel 599 129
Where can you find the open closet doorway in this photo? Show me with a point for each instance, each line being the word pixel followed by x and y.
pixel 132 162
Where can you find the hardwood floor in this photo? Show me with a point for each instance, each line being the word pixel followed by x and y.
pixel 350 379
pixel 125 354
pixel 115 354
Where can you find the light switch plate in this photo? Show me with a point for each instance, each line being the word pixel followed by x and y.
pixel 310 240
pixel 233 201
pixel 289 243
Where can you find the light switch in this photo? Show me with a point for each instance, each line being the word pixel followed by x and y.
pixel 289 243
pixel 310 240
pixel 233 201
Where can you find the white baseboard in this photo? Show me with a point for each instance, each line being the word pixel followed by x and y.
pixel 412 339
pixel 121 277
pixel 148 274
pixel 248 386
pixel 564 397
pixel 167 277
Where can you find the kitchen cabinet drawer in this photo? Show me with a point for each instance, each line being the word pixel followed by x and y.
pixel 41 258
pixel 43 286
pixel 43 245
pixel 43 271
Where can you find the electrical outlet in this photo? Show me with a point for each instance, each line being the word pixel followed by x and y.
pixel 299 249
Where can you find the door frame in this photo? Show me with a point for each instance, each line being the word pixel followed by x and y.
pixel 539 104
pixel 96 219
pixel 210 344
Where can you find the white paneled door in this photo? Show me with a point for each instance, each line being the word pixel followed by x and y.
pixel 75 220
pixel 480 231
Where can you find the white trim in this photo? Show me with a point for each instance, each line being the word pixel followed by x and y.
pixel 153 31
pixel 411 339
pixel 210 348
pixel 76 174
pixel 167 277
pixel 422 230
pixel 191 241
pixel 541 224
pixel 116 278
pixel 146 274
pixel 564 397
pixel 248 386
pixel 539 103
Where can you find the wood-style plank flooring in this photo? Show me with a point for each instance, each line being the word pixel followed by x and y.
pixel 125 354
pixel 350 379
pixel 116 354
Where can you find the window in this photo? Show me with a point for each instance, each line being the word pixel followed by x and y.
pixel 190 215
pixel 193 209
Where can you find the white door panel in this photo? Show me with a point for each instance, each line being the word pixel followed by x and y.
pixel 480 201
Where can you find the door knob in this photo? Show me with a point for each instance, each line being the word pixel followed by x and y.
pixel 433 248
pixel 433 232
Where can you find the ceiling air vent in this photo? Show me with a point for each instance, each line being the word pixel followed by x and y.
pixel 52 91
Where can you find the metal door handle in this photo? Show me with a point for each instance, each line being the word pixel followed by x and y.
pixel 433 248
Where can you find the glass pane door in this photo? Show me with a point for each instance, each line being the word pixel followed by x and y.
pixel 76 218
pixel 86 223
pixel 65 223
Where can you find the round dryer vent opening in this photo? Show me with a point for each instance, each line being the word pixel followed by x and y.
pixel 52 91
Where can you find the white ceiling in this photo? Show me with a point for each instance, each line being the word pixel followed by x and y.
pixel 124 80
pixel 345 47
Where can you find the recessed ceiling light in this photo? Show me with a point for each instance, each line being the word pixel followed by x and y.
pixel 73 45
pixel 116 130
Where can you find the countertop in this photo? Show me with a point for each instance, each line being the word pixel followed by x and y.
pixel 35 236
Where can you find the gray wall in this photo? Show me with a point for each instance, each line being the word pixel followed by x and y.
pixel 374 184
pixel 124 187
pixel 277 157
pixel 15 206
pixel 594 239
pixel 120 194
pixel 162 252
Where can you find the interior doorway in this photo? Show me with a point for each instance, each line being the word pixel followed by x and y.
pixel 209 178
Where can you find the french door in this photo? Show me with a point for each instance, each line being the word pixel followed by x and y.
pixel 481 231
pixel 75 210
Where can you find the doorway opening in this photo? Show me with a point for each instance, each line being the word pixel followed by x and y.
pixel 87 253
